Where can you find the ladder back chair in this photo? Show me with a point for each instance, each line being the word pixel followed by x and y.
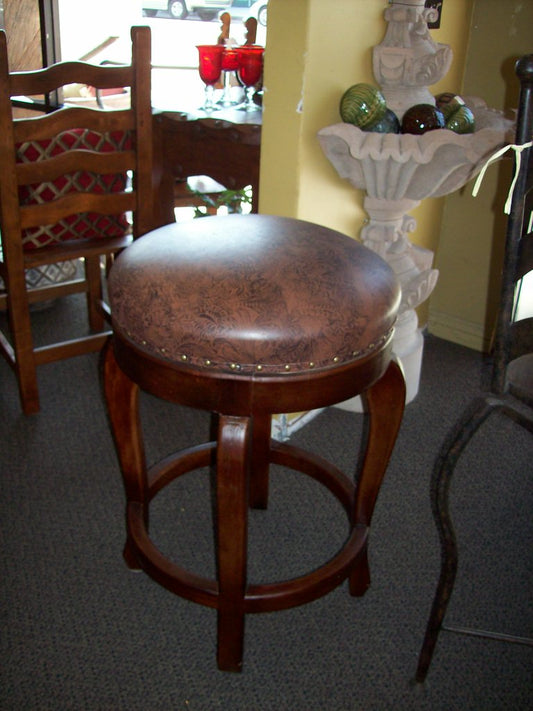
pixel 66 194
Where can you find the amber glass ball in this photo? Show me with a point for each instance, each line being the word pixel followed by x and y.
pixel 421 118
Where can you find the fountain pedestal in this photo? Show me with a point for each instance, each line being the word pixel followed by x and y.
pixel 398 171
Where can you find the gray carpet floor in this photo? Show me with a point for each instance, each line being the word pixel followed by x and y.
pixel 79 631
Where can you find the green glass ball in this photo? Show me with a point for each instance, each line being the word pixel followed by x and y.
pixel 448 103
pixel 362 105
pixel 462 121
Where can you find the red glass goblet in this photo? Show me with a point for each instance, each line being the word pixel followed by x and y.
pixel 250 71
pixel 230 64
pixel 210 68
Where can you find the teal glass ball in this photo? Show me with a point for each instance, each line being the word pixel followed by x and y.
pixel 388 124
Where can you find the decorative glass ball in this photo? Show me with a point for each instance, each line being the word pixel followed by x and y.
pixel 421 118
pixel 388 124
pixel 448 103
pixel 362 104
pixel 462 121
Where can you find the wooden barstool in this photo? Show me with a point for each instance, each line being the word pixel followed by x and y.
pixel 245 316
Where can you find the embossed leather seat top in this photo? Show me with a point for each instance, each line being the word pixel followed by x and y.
pixel 252 294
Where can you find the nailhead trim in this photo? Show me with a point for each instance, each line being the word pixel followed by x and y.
pixel 265 368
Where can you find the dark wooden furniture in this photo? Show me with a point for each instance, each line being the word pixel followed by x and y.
pixel 222 147
pixel 64 195
pixel 511 387
pixel 246 316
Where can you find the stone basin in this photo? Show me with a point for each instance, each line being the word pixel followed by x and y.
pixel 395 167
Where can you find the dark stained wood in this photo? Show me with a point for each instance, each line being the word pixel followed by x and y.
pixel 233 463
pixel 243 404
pixel 187 146
pixel 19 349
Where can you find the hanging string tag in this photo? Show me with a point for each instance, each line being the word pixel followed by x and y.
pixel 518 157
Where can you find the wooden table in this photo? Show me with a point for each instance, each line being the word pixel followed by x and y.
pixel 224 145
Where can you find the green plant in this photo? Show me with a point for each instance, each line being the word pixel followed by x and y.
pixel 234 200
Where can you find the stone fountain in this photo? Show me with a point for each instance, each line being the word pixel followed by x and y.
pixel 398 171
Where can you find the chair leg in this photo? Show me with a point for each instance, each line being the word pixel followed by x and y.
pixel 27 380
pixel 233 464
pixel 261 433
pixel 461 435
pixel 122 397
pixel 385 402
pixel 93 275
pixel 21 355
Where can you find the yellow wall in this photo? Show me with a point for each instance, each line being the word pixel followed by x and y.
pixel 463 306
pixel 315 50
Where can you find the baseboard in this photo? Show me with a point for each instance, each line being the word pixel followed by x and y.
pixel 457 330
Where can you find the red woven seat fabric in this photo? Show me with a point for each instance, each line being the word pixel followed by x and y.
pixel 88 225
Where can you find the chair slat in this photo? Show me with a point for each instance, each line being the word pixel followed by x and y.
pixel 74 161
pixel 75 249
pixel 43 81
pixel 50 212
pixel 48 125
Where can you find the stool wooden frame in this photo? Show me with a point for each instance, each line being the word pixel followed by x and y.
pixel 242 453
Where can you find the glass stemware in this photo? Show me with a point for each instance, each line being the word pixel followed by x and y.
pixel 230 64
pixel 210 68
pixel 250 71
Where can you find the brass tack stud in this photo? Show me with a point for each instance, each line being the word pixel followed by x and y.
pixel 143 342
pixel 235 366
pixel 311 364
pixel 287 367
pixel 259 368
pixel 336 359
pixel 207 361
pixel 184 357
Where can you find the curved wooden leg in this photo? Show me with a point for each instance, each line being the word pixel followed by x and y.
pixel 445 465
pixel 261 433
pixel 385 402
pixel 122 398
pixel 233 464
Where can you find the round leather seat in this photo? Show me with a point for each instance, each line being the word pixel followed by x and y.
pixel 264 295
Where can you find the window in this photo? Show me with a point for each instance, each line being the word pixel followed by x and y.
pixel 102 34
pixel 99 31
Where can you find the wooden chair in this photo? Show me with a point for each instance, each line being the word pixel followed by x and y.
pixel 65 194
